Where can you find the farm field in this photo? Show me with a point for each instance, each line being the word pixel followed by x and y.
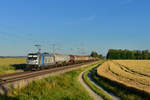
pixel 59 87
pixel 132 73
pixel 11 65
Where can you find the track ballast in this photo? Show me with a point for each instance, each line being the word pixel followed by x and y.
pixel 30 74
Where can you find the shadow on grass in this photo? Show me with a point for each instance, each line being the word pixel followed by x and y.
pixel 20 66
pixel 5 97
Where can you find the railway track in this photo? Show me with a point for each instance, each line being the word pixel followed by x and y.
pixel 30 74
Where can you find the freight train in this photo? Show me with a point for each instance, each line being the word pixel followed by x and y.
pixel 46 60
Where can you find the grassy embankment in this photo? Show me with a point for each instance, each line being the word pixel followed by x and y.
pixel 10 65
pixel 120 79
pixel 59 87
pixel 97 90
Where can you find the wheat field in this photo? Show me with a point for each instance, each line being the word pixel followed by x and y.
pixel 9 65
pixel 132 73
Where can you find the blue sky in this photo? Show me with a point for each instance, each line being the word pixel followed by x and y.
pixel 73 25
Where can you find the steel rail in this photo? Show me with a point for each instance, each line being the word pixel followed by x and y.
pixel 26 75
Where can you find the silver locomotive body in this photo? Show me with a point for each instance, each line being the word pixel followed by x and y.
pixel 39 60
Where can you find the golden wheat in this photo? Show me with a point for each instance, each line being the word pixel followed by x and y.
pixel 133 73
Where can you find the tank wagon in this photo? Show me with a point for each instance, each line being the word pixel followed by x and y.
pixel 45 60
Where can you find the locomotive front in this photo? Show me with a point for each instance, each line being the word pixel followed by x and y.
pixel 33 59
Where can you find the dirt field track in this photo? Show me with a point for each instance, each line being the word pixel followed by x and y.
pixel 132 73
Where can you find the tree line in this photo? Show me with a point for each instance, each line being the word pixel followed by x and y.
pixel 128 54
pixel 95 54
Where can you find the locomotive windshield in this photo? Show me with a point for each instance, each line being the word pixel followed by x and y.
pixel 32 57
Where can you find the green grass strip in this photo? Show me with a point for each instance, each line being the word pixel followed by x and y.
pixel 97 90
pixel 59 87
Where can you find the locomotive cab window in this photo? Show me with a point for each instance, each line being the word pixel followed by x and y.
pixel 30 57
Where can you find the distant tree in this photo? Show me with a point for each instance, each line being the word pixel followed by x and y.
pixel 145 54
pixel 132 55
pixel 128 54
pixel 138 54
pixel 95 54
pixel 101 56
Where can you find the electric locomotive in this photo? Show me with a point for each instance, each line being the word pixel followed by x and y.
pixel 43 60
